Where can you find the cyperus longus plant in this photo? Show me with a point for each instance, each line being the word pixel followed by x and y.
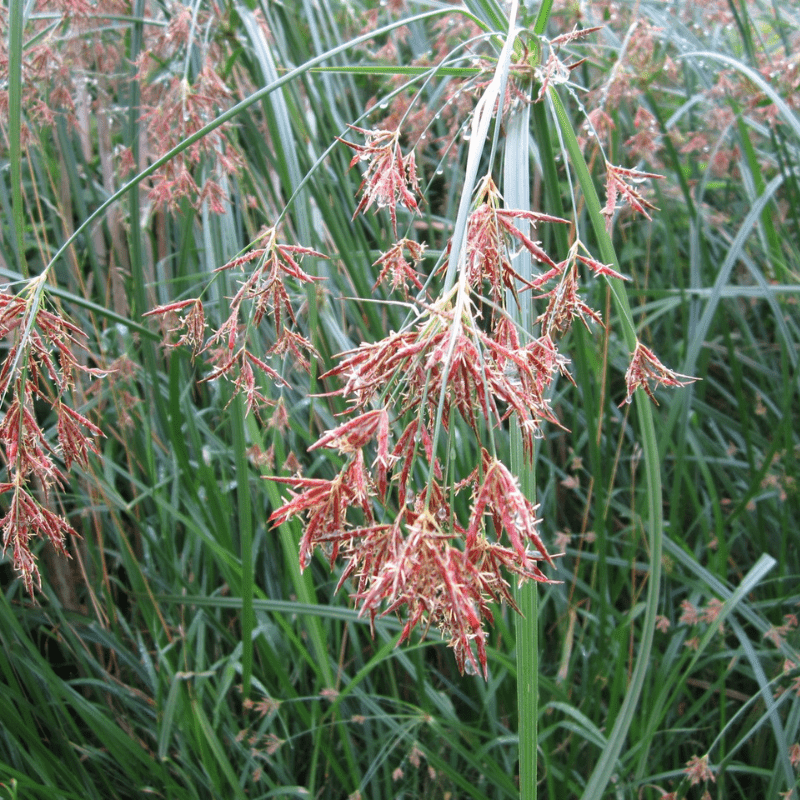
pixel 478 350
pixel 462 358
pixel 478 355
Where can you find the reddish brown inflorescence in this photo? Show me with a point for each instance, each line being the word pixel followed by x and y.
pixel 39 369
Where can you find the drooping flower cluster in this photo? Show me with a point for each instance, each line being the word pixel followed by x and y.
pixel 178 102
pixel 423 559
pixel 698 770
pixel 264 289
pixel 390 178
pixel 390 513
pixel 491 233
pixel 39 368
pixel 415 538
pixel 403 544
pixel 622 184
pixel 395 266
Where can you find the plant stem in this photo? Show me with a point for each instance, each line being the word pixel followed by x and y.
pixel 516 185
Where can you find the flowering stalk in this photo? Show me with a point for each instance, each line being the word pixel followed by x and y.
pixel 464 359
pixel 40 367
pixel 517 189
pixel 416 553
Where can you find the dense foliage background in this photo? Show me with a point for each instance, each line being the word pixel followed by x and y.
pixel 179 652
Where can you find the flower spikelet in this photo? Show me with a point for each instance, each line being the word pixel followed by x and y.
pixel 75 444
pixel 390 178
pixel 326 503
pixel 266 283
pixel 621 183
pixel 25 520
pixel 501 497
pixel 519 376
pixel 698 771
pixel 565 304
pixel 26 448
pixel 554 71
pixel 423 560
pixel 491 234
pixel 190 321
pixel 263 292
pixel 645 368
pixel 394 265
pixel 437 353
pixel 435 581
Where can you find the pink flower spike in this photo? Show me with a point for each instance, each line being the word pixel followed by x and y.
pixel 698 771
pixel 555 72
pixel 357 433
pixel 500 495
pixel 573 35
pixel 394 265
pixel 621 183
pixel 391 178
pixel 25 520
pixel 602 269
pixel 644 368
pixel 169 308
pixel 75 443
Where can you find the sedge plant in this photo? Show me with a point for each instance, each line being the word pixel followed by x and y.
pixel 419 419
pixel 461 358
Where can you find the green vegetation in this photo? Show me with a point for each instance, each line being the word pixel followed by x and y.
pixel 182 267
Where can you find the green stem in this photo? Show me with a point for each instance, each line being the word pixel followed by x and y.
pixel 245 521
pixel 516 190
